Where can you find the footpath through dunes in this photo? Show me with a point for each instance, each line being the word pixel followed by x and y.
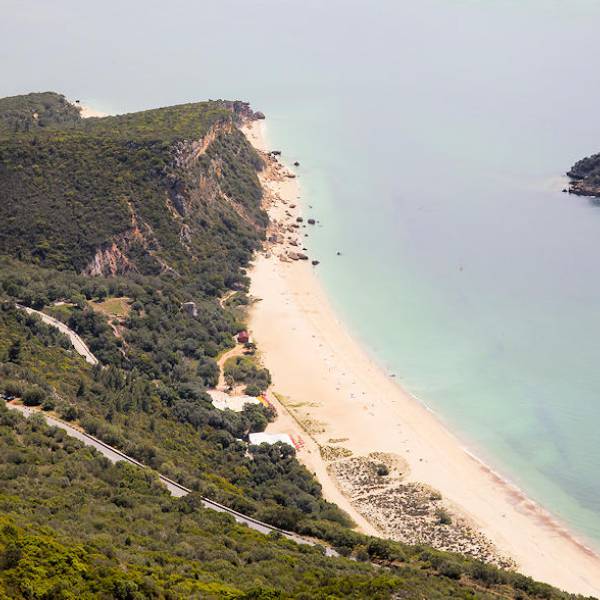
pixel 346 403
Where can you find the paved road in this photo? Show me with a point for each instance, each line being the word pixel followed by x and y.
pixel 79 345
pixel 174 488
pixel 115 455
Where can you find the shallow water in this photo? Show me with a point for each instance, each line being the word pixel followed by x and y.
pixel 432 137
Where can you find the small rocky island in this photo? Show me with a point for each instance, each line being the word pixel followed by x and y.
pixel 585 177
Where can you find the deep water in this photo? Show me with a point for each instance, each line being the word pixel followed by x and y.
pixel 432 137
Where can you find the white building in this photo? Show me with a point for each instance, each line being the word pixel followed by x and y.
pixel 221 400
pixel 270 438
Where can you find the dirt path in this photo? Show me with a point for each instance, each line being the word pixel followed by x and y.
pixel 237 351
pixel 226 297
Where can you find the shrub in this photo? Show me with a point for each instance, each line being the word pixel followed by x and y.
pixel 382 470
pixel 48 404
pixel 443 516
pixel 69 413
pixel 361 553
pixel 34 396
pixel 14 388
pixel 450 570
pixel 253 390
pixel 378 548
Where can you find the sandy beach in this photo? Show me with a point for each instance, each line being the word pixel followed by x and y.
pixel 345 408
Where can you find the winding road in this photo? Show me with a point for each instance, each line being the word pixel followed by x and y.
pixel 79 345
pixel 177 490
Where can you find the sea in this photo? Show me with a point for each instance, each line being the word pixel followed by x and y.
pixel 433 137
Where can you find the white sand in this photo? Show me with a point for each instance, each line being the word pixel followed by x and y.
pixel 334 384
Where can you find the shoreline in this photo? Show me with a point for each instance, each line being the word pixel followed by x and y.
pixel 344 401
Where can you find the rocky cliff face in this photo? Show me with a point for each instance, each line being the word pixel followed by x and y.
pixel 152 192
pixel 193 184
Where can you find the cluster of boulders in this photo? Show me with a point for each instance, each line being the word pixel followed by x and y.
pixel 286 223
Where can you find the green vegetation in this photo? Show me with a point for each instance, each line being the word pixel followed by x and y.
pixel 585 175
pixel 177 433
pixel 112 307
pixel 129 218
pixel 243 369
pixel 91 529
pixel 147 217
pixel 36 112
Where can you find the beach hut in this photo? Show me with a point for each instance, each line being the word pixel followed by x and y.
pixel 243 337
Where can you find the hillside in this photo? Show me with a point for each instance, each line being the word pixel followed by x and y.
pixel 139 193
pixel 585 177
pixel 89 529
pixel 111 225
pixel 35 112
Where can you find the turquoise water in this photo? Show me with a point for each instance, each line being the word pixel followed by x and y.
pixel 432 135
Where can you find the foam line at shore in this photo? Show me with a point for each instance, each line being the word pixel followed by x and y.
pixel 537 511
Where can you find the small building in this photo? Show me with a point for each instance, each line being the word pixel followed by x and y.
pixel 243 337
pixel 224 401
pixel 270 438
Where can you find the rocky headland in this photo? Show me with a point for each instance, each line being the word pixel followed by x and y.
pixel 585 177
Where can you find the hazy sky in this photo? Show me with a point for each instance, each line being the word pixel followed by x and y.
pixel 124 55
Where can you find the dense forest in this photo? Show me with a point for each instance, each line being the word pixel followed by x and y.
pixel 111 225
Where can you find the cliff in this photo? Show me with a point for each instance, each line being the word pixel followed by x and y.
pixel 150 192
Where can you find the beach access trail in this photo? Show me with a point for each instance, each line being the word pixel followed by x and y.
pixel 238 350
pixel 335 390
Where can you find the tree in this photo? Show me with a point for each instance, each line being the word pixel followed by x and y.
pixel 14 352
pixel 34 396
